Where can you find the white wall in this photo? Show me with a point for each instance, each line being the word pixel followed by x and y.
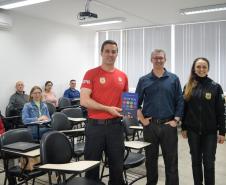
pixel 36 50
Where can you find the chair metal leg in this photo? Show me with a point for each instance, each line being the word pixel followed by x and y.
pixel 50 179
pixel 125 175
pixel 102 172
pixel 64 177
pixel 33 181
pixel 5 180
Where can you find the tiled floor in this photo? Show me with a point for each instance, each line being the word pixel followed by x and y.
pixel 185 173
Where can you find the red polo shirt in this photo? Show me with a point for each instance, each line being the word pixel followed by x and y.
pixel 107 89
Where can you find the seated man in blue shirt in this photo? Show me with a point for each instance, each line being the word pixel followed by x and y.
pixel 72 93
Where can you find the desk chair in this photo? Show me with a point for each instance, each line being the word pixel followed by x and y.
pixel 64 103
pixel 75 112
pixel 53 143
pixel 51 108
pixel 13 119
pixel 22 175
pixel 76 102
pixel 60 122
pixel 131 160
pixel 131 133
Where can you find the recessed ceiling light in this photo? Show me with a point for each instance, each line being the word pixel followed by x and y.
pixel 102 22
pixel 10 4
pixel 203 9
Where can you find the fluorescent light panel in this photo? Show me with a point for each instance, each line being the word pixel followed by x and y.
pixel 203 9
pixel 102 22
pixel 18 3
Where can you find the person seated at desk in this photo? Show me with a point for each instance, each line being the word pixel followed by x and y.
pixel 72 93
pixel 48 95
pixel 15 106
pixel 2 128
pixel 34 111
pixel 17 100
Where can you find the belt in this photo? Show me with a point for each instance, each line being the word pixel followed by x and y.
pixel 160 121
pixel 105 121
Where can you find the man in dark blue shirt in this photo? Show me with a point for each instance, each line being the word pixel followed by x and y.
pixel 72 93
pixel 160 107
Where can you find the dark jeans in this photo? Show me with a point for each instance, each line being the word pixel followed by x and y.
pixel 166 137
pixel 203 151
pixel 109 138
pixel 34 131
pixel 11 180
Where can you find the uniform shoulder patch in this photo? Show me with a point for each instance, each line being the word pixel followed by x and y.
pixel 214 83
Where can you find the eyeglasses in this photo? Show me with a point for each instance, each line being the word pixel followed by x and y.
pixel 158 58
pixel 36 93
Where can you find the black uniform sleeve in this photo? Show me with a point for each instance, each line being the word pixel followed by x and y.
pixel 183 126
pixel 220 111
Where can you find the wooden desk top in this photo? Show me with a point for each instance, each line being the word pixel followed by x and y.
pixel 73 130
pixel 32 153
pixel 79 166
pixel 76 119
pixel 136 144
pixel 136 127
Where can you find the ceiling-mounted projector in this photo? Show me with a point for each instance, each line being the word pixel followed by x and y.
pixel 86 14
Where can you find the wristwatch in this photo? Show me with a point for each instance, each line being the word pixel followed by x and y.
pixel 176 120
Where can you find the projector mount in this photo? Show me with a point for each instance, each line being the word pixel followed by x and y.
pixel 86 14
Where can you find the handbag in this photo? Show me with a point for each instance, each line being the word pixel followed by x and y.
pixel 31 162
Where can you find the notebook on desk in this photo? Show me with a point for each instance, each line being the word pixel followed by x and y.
pixel 22 146
pixel 40 122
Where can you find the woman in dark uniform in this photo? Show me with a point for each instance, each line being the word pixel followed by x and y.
pixel 203 123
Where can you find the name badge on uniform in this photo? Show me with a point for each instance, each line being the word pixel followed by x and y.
pixel 102 80
pixel 208 96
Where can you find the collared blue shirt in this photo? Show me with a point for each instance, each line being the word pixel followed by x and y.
pixel 71 94
pixel 160 98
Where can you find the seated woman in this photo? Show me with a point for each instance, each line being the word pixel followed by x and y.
pixel 35 110
pixel 48 95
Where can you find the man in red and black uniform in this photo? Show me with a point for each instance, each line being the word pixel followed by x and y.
pixel 101 93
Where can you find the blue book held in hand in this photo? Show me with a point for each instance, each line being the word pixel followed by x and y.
pixel 129 104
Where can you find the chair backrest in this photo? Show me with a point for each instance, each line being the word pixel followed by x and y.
pixel 64 102
pixel 16 135
pixel 73 112
pixel 60 122
pixel 55 148
pixel 129 122
pixel 51 108
pixel 12 136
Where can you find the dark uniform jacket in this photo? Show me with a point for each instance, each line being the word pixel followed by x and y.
pixel 204 112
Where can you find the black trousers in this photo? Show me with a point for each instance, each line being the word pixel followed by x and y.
pixel 109 138
pixel 203 151
pixel 166 137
